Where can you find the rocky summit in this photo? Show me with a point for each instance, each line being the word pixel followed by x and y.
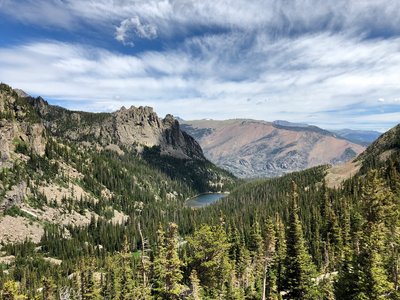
pixel 132 128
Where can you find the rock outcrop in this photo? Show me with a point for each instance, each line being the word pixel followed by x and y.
pixel 134 128
pixel 19 126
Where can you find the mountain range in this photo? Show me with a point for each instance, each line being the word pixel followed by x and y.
pixel 251 148
pixel 93 206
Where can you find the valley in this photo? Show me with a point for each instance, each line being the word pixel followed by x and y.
pixel 94 206
pixel 199 150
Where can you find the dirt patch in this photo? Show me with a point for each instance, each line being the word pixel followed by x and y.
pixel 53 261
pixel 385 155
pixel 18 229
pixel 57 193
pixel 115 148
pixel 119 217
pixel 59 216
pixel 337 174
pixel 7 259
pixel 70 171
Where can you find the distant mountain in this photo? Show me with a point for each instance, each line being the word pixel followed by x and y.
pixel 362 137
pixel 250 148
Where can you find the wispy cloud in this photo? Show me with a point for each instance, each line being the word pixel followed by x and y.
pixel 287 79
pixel 306 61
pixel 170 16
pixel 132 28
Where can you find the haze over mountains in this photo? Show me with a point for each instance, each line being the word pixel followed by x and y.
pixel 251 148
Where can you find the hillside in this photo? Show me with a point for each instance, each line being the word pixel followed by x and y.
pixel 362 137
pixel 250 148
pixel 65 168
pixel 86 218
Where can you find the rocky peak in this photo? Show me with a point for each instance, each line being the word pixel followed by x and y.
pixel 141 126
pixel 21 93
pixel 132 128
pixel 38 103
pixel 137 116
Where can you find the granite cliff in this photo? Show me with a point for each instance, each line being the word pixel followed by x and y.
pixel 134 129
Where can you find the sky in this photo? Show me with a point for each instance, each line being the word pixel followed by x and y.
pixel 330 63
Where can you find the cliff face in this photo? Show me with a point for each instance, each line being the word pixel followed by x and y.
pixel 132 128
pixel 19 127
pixel 250 148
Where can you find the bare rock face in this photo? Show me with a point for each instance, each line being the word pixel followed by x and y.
pixel 141 127
pixel 136 125
pixel 18 125
pixel 7 133
pixel 15 196
pixel 132 128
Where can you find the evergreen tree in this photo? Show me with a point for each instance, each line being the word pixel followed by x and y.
pixel 167 272
pixel 196 289
pixel 269 289
pixel 209 257
pixel 257 250
pixel 299 266
pixel 375 200
pixel 280 253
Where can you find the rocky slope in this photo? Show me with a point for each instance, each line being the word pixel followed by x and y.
pixel 250 148
pixel 68 168
pixel 133 128
pixel 386 145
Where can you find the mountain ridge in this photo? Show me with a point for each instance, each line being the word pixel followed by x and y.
pixel 66 167
pixel 252 148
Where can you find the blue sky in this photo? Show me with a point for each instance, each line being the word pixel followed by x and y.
pixel 334 64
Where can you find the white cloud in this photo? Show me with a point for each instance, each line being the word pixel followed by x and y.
pixel 40 12
pixel 308 58
pixel 132 28
pixel 304 78
pixel 174 16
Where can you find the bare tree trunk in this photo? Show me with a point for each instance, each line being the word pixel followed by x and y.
pixel 396 270
pixel 264 283
pixel 142 256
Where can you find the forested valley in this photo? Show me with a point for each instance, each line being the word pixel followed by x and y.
pixel 292 237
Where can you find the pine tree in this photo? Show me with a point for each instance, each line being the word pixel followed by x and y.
pixel 257 250
pixel 196 289
pixel 269 289
pixel 280 253
pixel 48 289
pixel 167 272
pixel 209 257
pixel 374 283
pixel 126 281
pixel 299 267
